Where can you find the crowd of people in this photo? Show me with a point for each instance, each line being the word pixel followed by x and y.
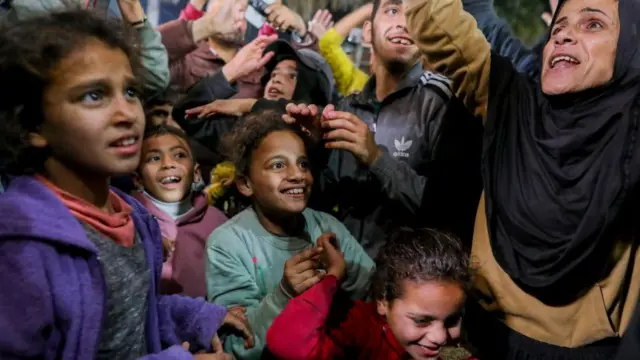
pixel 190 191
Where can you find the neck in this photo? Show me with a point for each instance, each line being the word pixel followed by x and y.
pixel 224 51
pixel 280 225
pixel 386 81
pixel 87 186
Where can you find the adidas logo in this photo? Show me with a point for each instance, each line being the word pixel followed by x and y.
pixel 402 146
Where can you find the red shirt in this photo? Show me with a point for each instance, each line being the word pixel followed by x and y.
pixel 299 332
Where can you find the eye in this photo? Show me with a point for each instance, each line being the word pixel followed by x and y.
pixel 277 165
pixel 153 158
pixel 392 11
pixel 556 30
pixel 181 155
pixel 132 93
pixel 453 321
pixel 594 25
pixel 304 164
pixel 422 322
pixel 92 97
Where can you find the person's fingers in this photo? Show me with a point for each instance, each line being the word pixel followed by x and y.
pixel 288 119
pixel 308 265
pixel 340 124
pixel 216 344
pixel 305 255
pixel 547 18
pixel 309 282
pixel 313 109
pixel 327 110
pixel 185 345
pixel 325 239
pixel 194 110
pixel 342 145
pixel 341 135
pixel 265 59
pixel 316 16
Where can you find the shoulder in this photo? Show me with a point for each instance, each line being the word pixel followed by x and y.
pixel 437 84
pixel 229 235
pixel 323 220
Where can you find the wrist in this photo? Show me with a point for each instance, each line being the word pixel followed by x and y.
pixel 199 29
pixel 338 274
pixel 374 157
pixel 230 73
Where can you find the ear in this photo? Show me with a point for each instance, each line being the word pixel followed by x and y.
pixel 37 140
pixel 197 174
pixel 366 33
pixel 244 185
pixel 137 181
pixel 383 307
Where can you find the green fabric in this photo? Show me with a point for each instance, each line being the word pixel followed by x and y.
pixel 245 264
pixel 154 55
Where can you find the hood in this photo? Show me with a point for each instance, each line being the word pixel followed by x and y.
pixel 315 79
pixel 36 213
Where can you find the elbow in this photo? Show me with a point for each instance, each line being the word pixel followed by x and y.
pixel 282 345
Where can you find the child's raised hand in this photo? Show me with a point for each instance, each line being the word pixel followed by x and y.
pixel 331 257
pixel 301 272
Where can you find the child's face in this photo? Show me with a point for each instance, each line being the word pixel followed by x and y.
pixel 160 114
pixel 279 177
pixel 283 81
pixel 167 170
pixel 93 118
pixel 427 317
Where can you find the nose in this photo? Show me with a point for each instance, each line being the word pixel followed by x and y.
pixel 296 174
pixel 564 36
pixel 167 162
pixel 126 113
pixel 438 335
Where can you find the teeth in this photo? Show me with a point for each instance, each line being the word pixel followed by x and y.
pixel 170 180
pixel 401 41
pixel 126 142
pixel 563 58
pixel 294 191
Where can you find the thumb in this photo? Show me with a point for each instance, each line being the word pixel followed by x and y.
pixel 185 345
pixel 216 344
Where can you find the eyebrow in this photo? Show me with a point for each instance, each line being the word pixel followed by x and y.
pixel 391 2
pixel 584 10
pixel 103 83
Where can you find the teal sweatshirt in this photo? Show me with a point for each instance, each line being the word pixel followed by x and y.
pixel 245 264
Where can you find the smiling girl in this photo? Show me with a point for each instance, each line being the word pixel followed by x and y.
pixel 270 252
pixel 81 262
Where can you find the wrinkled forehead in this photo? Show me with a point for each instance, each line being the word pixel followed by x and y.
pixel 568 8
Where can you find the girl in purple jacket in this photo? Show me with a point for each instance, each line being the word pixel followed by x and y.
pixel 79 262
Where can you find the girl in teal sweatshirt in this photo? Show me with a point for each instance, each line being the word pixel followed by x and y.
pixel 269 252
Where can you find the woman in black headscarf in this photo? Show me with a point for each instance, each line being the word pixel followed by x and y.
pixel 556 236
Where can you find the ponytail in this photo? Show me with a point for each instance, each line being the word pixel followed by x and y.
pixel 222 176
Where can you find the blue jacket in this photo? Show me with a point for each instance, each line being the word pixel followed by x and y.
pixel 52 302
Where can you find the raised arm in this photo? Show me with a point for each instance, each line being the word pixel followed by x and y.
pixel 454 46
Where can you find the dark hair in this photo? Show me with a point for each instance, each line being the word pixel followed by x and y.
pixel 376 6
pixel 170 96
pixel 248 133
pixel 419 255
pixel 161 130
pixel 29 50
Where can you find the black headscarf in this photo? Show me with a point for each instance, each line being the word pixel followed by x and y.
pixel 560 170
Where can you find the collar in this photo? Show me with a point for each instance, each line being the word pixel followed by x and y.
pixel 409 80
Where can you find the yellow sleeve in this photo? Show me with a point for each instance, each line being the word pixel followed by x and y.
pixel 453 45
pixel 348 77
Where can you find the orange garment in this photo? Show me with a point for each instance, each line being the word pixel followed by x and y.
pixel 118 225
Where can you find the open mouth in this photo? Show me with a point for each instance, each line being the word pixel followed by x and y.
pixel 401 40
pixel 563 59
pixel 170 180
pixel 297 192
pixel 273 91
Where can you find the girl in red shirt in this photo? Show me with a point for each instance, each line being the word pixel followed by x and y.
pixel 419 287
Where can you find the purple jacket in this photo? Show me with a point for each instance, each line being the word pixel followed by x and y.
pixel 52 297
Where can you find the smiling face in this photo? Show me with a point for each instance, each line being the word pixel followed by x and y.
pixel 279 180
pixel 282 83
pixel 93 117
pixel 426 317
pixel 167 169
pixel 387 33
pixel 582 49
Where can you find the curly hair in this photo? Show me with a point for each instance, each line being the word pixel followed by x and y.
pixel 238 145
pixel 247 135
pixel 29 51
pixel 419 255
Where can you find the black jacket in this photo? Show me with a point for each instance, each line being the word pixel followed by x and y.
pixel 428 175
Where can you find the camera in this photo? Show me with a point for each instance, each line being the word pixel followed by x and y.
pixel 255 14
